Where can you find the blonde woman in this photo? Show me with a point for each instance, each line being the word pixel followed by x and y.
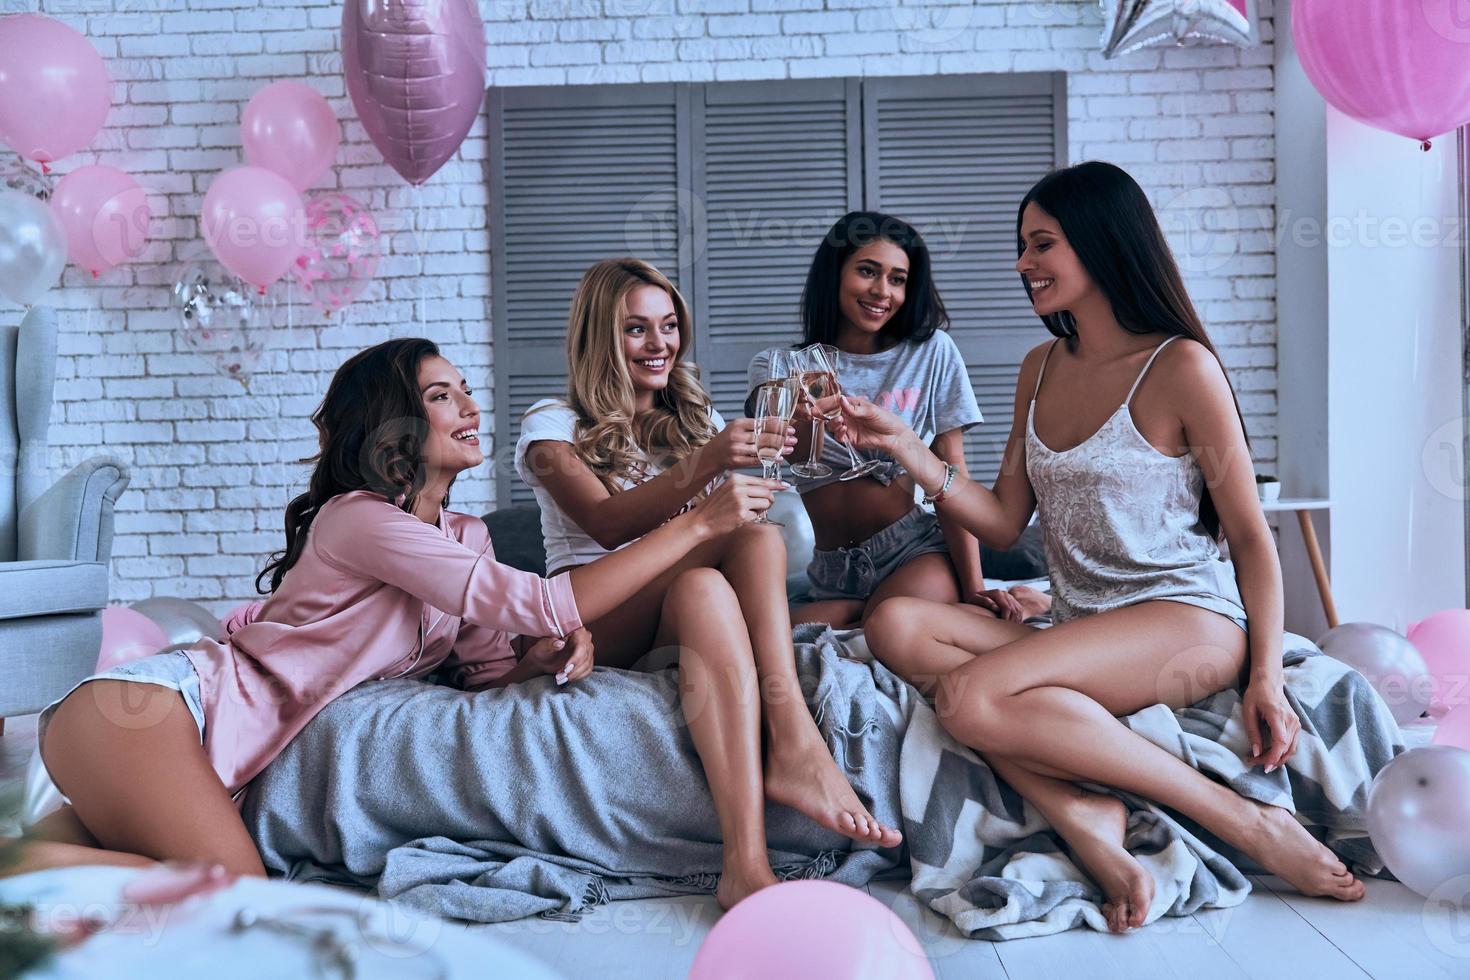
pixel 634 444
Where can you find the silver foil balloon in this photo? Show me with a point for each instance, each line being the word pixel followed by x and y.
pixel 1418 815
pixel 220 319
pixel 1129 25
pixel 416 74
pixel 182 621
pixel 1390 662
pixel 32 248
pixel 15 175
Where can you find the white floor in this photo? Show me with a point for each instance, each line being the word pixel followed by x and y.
pixel 1392 934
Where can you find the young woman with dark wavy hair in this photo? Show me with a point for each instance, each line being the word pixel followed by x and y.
pixel 1129 442
pixel 378 580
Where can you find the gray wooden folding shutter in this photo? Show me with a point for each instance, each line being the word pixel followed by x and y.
pixel 954 155
pixel 577 174
pixel 774 165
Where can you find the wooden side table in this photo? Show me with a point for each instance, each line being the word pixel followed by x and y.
pixel 1302 506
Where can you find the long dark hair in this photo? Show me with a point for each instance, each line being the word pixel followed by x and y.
pixel 371 427
pixel 1109 223
pixel 922 311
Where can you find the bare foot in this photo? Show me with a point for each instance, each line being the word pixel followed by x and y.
pixel 807 779
pixel 736 884
pixel 1094 828
pixel 1273 837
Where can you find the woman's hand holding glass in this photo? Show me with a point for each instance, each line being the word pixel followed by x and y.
pixel 863 424
pixel 734 448
pixel 740 499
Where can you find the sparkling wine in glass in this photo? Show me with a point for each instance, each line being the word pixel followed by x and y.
pixel 823 378
pixel 775 401
pixel 806 370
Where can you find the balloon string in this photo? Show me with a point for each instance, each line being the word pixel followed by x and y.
pixel 1403 617
pixel 418 220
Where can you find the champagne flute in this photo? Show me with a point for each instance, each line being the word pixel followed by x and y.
pixel 775 401
pixel 821 382
pixel 806 368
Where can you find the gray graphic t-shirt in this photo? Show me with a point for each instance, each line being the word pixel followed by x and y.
pixel 925 384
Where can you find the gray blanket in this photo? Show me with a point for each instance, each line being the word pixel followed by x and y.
pixel 537 799
pixel 988 861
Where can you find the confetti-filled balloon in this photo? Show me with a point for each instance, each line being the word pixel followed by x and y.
pixel 340 257
pixel 220 319
pixel 16 176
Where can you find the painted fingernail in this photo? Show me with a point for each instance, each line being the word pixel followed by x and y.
pixel 1271 768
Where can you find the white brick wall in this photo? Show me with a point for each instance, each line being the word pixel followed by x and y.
pixel 213 466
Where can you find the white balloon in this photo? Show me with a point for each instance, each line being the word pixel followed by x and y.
pixel 182 621
pixel 1390 662
pixel 32 247
pixel 1418 812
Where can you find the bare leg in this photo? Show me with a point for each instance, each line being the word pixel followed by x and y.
pixel 918 642
pixel 910 637
pixel 929 576
pixel 800 771
pixel 836 613
pixel 129 758
pixel 717 688
pixel 1072 680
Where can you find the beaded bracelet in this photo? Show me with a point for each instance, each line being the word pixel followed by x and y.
pixel 950 469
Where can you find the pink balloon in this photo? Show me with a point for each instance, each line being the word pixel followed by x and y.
pixel 54 89
pixel 416 74
pixel 127 635
pixel 810 929
pixel 290 129
pixel 105 215
pixel 1444 641
pixel 1454 728
pixel 1399 65
pixel 255 222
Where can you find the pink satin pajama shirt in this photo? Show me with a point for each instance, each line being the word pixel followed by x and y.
pixel 376 593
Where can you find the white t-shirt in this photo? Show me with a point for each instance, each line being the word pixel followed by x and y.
pixel 552 420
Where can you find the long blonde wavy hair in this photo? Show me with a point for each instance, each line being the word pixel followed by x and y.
pixel 611 436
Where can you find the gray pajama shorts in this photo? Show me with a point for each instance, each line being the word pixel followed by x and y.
pixel 856 572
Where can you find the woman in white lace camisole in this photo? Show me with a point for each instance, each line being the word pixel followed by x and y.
pixel 1128 441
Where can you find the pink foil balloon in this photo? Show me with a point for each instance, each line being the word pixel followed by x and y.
pixel 1399 65
pixel 254 221
pixel 810 929
pixel 416 73
pixel 290 129
pixel 340 257
pixel 54 89
pixel 105 215
pixel 127 635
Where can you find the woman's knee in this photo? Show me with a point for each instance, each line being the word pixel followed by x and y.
pixel 969 713
pixel 895 624
pixel 700 590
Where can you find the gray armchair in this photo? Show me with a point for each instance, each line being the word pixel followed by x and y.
pixel 55 538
